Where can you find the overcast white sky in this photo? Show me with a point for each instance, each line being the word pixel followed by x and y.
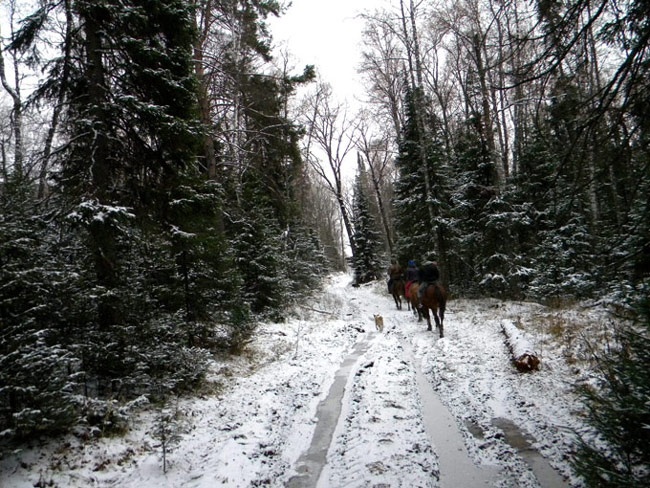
pixel 325 33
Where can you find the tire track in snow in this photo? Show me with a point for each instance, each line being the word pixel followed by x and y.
pixel 381 439
pixel 474 361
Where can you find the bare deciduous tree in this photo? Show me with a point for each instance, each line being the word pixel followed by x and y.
pixel 382 67
pixel 375 147
pixel 330 138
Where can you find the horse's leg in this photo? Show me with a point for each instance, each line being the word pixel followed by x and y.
pixel 438 321
pixel 427 313
pixel 417 312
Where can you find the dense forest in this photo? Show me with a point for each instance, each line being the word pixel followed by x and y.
pixel 168 180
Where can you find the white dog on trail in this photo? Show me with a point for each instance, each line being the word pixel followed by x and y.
pixel 379 322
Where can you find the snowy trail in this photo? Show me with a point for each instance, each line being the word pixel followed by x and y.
pixel 431 418
pixel 352 462
pixel 324 400
pixel 363 456
pixel 456 467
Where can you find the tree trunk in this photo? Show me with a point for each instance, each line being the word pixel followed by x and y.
pixel 413 56
pixel 524 356
pixel 102 235
pixel 486 116
pixel 209 153
pixel 60 100
pixel 17 122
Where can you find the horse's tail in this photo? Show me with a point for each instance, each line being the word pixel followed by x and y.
pixel 399 287
pixel 441 297
pixel 413 292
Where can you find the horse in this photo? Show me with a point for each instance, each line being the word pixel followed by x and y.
pixel 413 299
pixel 434 300
pixel 408 295
pixel 398 292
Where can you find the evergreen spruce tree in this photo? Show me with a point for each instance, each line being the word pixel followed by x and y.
pixel 618 409
pixel 134 91
pixel 198 282
pixel 368 259
pixel 528 194
pixel 38 365
pixel 262 263
pixel 265 221
pixel 560 238
pixel 131 138
pixel 413 228
pixel 479 255
pixel 306 259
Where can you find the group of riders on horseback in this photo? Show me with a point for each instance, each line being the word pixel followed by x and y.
pixel 425 275
pixel 431 295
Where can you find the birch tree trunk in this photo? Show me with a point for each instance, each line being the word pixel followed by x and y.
pixel 17 110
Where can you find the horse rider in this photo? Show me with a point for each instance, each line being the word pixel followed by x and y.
pixel 429 274
pixel 412 275
pixel 394 273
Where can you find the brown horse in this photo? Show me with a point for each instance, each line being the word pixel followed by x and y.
pixel 434 300
pixel 412 297
pixel 398 292
pixel 409 297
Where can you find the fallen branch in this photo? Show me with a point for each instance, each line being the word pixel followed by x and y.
pixel 318 311
pixel 524 356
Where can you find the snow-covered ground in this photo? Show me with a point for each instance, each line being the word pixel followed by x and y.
pixel 257 420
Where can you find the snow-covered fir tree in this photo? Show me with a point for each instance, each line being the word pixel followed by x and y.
pixel 369 259
pixel 617 407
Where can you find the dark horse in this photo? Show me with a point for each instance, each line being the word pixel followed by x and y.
pixel 434 301
pixel 398 292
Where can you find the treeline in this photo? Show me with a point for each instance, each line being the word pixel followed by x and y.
pixel 153 203
pixel 520 137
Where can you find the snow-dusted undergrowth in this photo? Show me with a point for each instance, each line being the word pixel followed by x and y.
pixel 258 418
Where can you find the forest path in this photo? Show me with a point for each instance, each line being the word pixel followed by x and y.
pixel 456 467
pixel 311 463
pixel 433 421
pixel 380 389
